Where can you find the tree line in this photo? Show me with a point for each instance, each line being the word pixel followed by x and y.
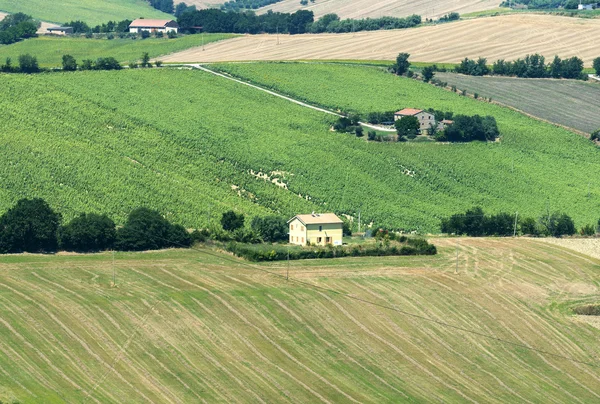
pixel 15 27
pixel 532 66
pixel 299 22
pixel 240 5
pixel 475 223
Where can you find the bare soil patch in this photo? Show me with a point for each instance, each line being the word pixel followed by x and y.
pixel 503 37
pixel 587 246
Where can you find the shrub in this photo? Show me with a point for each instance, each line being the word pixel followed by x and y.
pixel 158 63
pixel 69 63
pixel 270 228
pixel 588 310
pixel 231 221
pixel 588 230
pixel 28 64
pixel 30 226
pixel 88 233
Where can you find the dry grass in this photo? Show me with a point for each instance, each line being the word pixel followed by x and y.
pixel 588 246
pixel 187 326
pixel 506 37
pixel 379 8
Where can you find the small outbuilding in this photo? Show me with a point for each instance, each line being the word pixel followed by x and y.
pixel 586 6
pixel 316 229
pixel 426 119
pixel 153 26
pixel 60 30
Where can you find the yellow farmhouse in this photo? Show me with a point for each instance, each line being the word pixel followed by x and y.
pixel 316 229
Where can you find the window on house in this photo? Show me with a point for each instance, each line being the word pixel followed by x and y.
pixel 320 228
pixel 319 239
pixel 328 240
pixel 302 240
pixel 296 239
pixel 292 227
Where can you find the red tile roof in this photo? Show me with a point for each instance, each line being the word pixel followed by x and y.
pixel 318 218
pixel 143 23
pixel 409 112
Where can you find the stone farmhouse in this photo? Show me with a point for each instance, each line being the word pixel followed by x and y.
pixel 153 26
pixel 316 229
pixel 426 119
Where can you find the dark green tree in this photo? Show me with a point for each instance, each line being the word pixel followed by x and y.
pixel 88 233
pixel 408 127
pixel 145 60
pixel 30 226
pixel 428 72
pixel 270 228
pixel 402 64
pixel 28 64
pixel 556 68
pixel 231 221
pixel 146 229
pixel 596 65
pixel 69 63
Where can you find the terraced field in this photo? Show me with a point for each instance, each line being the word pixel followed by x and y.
pixel 90 11
pixel 181 152
pixel 504 37
pixel 195 326
pixel 49 50
pixel 381 8
pixel 578 105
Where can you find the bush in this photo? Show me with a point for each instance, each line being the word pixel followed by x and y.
pixel 87 233
pixel 558 225
pixel 145 34
pixel 30 226
pixel 146 229
pixel 588 230
pixel 28 64
pixel 270 228
pixel 231 221
pixel 588 310
pixel 69 63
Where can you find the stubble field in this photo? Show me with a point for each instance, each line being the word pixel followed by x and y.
pixel 504 37
pixel 195 326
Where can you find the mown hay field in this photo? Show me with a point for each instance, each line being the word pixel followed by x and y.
pixel 384 8
pixel 503 37
pixel 193 145
pixel 195 326
pixel 50 50
pixel 567 102
pixel 91 11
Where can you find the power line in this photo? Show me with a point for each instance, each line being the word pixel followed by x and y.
pixel 394 309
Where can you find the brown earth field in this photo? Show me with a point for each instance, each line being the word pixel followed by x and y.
pixel 503 37
pixel 380 8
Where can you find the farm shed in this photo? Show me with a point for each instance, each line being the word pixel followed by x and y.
pixel 425 118
pixel 165 26
pixel 316 229
pixel 60 30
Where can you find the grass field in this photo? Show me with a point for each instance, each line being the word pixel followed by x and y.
pixel 194 326
pixel 91 11
pixel 566 102
pixel 503 37
pixel 181 152
pixel 49 50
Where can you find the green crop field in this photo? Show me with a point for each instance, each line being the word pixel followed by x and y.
pixel 91 11
pixel 566 102
pixel 194 145
pixel 195 326
pixel 49 50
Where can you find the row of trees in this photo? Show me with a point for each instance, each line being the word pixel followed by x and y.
pixel 474 222
pixel 470 128
pixel 302 21
pixel 240 5
pixel 544 4
pixel 29 64
pixel 15 27
pixel 532 66
pixel 33 226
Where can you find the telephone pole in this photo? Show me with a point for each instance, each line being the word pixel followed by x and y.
pixel 114 274
pixel 515 231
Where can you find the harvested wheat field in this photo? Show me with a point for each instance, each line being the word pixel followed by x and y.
pixel 503 37
pixel 380 8
pixel 199 326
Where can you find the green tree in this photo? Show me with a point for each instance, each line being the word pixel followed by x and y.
pixel 596 65
pixel 146 229
pixel 559 224
pixel 428 73
pixel 402 64
pixel 30 226
pixel 556 68
pixel 231 221
pixel 407 127
pixel 87 233
pixel 69 63
pixel 28 64
pixel 146 60
pixel 270 228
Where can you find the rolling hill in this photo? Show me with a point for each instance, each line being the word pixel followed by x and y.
pixel 194 145
pixel 199 326
pixel 381 8
pixel 91 11
pixel 503 37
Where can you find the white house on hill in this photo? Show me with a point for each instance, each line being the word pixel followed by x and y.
pixel 316 229
pixel 153 26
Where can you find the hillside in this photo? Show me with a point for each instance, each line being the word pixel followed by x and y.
pixel 49 50
pixel 381 8
pixel 195 326
pixel 91 11
pixel 504 37
pixel 167 138
pixel 578 109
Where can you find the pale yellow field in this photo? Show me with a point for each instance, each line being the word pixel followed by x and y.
pixel 507 37
pixel 379 8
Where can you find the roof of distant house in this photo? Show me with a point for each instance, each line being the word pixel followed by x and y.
pixel 447 121
pixel 59 28
pixel 409 112
pixel 143 23
pixel 318 218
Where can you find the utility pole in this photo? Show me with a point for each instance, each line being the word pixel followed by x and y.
pixel 277 34
pixel 456 270
pixel 515 231
pixel 287 274
pixel 202 41
pixel 113 269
